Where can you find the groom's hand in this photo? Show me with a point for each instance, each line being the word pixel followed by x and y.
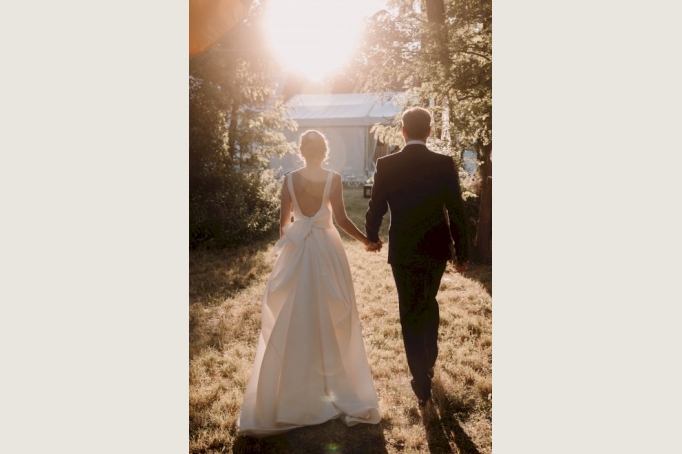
pixel 374 247
pixel 461 267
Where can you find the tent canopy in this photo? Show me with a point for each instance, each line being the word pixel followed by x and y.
pixel 346 120
pixel 348 109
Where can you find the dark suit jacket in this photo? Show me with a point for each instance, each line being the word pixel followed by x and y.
pixel 416 184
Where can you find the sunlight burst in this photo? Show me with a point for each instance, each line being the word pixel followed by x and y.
pixel 316 38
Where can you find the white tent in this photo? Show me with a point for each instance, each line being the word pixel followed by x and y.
pixel 346 120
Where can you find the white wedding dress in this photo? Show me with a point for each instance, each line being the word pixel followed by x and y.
pixel 310 364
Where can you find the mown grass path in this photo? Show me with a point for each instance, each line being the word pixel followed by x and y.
pixel 225 295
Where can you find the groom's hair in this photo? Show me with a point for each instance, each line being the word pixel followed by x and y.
pixel 416 122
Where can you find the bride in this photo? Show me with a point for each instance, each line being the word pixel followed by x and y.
pixel 310 363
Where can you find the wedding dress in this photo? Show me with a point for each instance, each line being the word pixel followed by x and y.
pixel 310 363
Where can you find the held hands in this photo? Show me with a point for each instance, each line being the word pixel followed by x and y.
pixel 374 247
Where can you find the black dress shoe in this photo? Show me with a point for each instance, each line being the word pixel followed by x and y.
pixel 422 403
pixel 419 393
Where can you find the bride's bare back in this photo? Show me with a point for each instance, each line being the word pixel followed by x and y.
pixel 309 188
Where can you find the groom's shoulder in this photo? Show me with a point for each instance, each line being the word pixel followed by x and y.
pixel 391 157
pixel 384 159
pixel 439 158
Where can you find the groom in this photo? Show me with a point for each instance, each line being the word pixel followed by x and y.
pixel 421 188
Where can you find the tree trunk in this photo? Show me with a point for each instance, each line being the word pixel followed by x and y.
pixel 232 129
pixel 483 245
pixel 453 133
pixel 435 11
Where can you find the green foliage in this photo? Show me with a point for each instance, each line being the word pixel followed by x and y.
pixel 233 208
pixel 448 65
pixel 234 198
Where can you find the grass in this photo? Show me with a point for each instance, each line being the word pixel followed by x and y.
pixel 225 299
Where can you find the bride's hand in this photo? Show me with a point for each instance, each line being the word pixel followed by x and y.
pixel 374 247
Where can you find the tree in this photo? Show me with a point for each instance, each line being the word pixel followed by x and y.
pixel 441 55
pixel 234 129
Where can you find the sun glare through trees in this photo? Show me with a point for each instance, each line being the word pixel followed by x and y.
pixel 316 38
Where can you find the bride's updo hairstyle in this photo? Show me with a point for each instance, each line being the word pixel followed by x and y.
pixel 313 146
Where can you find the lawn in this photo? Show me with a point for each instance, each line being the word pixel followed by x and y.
pixel 224 321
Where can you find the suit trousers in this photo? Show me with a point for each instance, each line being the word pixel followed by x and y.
pixel 417 286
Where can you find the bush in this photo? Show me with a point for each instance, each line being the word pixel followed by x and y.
pixel 233 208
pixel 471 206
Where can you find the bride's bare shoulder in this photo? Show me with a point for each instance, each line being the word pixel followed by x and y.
pixel 336 176
pixel 296 175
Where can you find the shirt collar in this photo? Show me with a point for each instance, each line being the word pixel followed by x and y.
pixel 415 142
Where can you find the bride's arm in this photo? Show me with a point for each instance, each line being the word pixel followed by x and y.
pixel 339 210
pixel 284 207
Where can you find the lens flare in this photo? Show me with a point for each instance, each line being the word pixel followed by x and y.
pixel 316 38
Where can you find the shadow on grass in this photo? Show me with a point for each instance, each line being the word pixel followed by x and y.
pixel 331 437
pixel 436 436
pixel 216 274
pixel 447 425
pixel 482 274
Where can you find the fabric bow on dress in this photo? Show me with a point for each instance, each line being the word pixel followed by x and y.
pixel 298 230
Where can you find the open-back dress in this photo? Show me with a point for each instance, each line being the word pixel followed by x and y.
pixel 310 363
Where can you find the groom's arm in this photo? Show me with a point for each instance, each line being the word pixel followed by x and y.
pixel 378 206
pixel 457 213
